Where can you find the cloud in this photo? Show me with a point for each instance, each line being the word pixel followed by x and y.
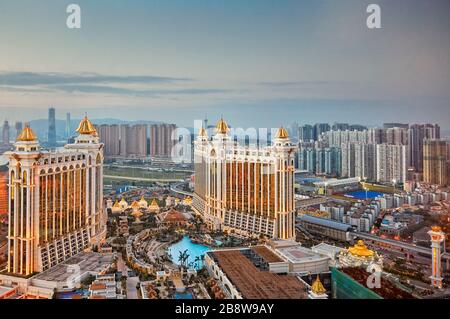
pixel 47 78
pixel 94 83
pixel 298 83
pixel 137 92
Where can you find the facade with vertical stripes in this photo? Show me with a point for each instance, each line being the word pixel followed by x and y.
pixel 55 201
pixel 244 189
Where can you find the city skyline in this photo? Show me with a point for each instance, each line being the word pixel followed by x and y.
pixel 305 60
pixel 214 150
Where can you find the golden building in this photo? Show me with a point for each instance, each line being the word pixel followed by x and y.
pixel 435 162
pixel 154 207
pixel 244 189
pixel 55 200
pixel 359 255
pixel 3 192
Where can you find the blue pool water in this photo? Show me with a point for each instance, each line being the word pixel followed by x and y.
pixel 362 194
pixel 185 295
pixel 193 249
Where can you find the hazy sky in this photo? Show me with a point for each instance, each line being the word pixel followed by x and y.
pixel 256 62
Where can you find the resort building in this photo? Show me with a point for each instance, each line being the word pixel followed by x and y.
pixel 248 190
pixel 55 200
pixel 172 217
pixel 271 271
pixel 359 256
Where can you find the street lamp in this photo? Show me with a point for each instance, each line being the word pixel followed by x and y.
pixel 394 182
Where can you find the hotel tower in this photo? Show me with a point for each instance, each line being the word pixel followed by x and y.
pixel 55 200
pixel 245 189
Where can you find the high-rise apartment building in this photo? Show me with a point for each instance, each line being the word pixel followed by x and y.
pixel 305 133
pixel 19 128
pixel 348 159
pixel 133 140
pixel 392 163
pixel 51 135
pixel 68 129
pixel 337 138
pixel 247 190
pixel 55 200
pixel 396 136
pixel 417 133
pixel 5 133
pixel 320 128
pixel 394 125
pixel 161 139
pixel 307 156
pixel 110 137
pixel 435 161
pixel 319 160
pixel 365 161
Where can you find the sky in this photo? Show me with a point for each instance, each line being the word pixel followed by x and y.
pixel 254 62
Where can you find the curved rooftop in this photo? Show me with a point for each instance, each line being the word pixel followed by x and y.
pixel 325 222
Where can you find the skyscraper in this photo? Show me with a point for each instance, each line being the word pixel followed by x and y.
pixel 133 140
pixel 305 133
pixel 51 138
pixel 5 133
pixel 19 127
pixel 55 201
pixel 68 128
pixel 110 137
pixel 417 133
pixel 320 128
pixel 247 190
pixel 435 162
pixel 392 161
pixel 161 142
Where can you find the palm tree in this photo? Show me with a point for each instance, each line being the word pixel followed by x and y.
pixel 196 261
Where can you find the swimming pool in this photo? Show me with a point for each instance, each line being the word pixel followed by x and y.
pixel 186 295
pixel 363 195
pixel 193 249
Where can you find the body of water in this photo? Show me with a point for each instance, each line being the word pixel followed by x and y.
pixel 193 249
pixel 362 194
pixel 186 295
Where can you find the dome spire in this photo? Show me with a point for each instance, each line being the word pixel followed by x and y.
pixel 222 127
pixel 317 286
pixel 202 132
pixel 27 134
pixel 86 127
pixel 282 133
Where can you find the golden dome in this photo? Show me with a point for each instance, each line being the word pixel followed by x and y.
pixel 202 132
pixel 27 135
pixel 137 213
pixel 154 203
pixel 123 201
pixel 222 127
pixel 142 199
pixel 436 229
pixel 116 204
pixel 282 133
pixel 361 250
pixel 134 204
pixel 317 287
pixel 86 127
